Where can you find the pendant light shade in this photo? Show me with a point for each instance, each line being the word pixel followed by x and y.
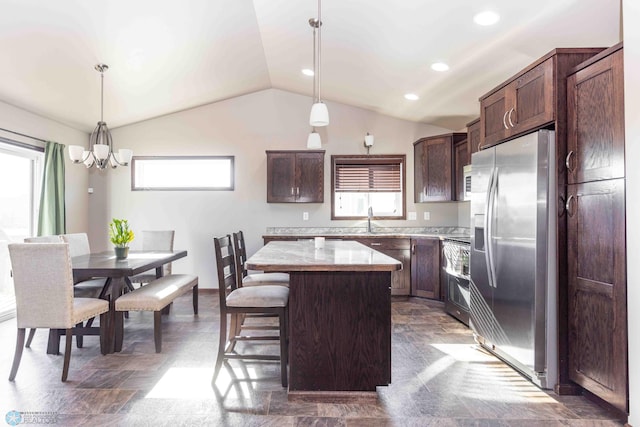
pixel 319 115
pixel 100 153
pixel 313 141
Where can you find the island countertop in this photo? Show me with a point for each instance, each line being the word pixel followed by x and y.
pixel 337 255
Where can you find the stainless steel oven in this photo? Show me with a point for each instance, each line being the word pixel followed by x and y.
pixel 455 277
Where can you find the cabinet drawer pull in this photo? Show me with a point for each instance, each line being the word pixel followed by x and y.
pixel 376 244
pixel 509 116
pixel 297 191
pixel 568 161
pixel 504 120
pixel 292 191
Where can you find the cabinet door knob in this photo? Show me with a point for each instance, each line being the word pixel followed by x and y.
pixel 568 206
pixel 504 120
pixel 509 116
pixel 567 161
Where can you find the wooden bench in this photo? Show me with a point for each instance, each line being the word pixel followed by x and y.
pixel 155 296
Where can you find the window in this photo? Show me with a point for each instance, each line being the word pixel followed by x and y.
pixel 360 182
pixel 20 176
pixel 182 173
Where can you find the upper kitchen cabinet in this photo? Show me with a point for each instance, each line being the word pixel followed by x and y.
pixel 532 99
pixel 434 171
pixel 473 136
pixel 595 126
pixel 295 176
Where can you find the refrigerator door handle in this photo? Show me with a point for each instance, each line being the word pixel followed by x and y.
pixel 488 227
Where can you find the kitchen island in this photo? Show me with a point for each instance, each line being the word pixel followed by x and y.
pixel 339 313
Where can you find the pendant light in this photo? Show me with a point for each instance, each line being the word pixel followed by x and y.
pixel 319 114
pixel 100 153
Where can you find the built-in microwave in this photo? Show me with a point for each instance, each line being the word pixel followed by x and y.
pixel 466 176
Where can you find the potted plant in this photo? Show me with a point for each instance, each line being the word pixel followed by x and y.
pixel 120 235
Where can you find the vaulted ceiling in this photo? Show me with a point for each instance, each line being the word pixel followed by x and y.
pixel 166 56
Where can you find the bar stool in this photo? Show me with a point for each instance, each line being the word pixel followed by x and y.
pixel 234 301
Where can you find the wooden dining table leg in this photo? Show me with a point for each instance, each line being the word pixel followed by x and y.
pixel 117 328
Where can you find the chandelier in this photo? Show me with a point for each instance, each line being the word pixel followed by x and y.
pixel 100 153
pixel 319 114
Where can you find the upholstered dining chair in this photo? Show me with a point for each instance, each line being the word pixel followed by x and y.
pixel 155 240
pixel 91 288
pixel 43 282
pixel 234 301
pixel 253 279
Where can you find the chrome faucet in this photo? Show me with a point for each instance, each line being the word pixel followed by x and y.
pixel 369 216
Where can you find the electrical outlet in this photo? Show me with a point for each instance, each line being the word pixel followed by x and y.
pixel 305 216
pixel 412 216
pixel 427 216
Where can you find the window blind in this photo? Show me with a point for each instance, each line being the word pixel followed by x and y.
pixel 362 175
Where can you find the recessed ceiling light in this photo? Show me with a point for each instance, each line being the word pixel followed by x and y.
pixel 439 66
pixel 411 96
pixel 486 18
pixel 307 72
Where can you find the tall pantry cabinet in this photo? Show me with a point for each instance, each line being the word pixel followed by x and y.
pixel 595 208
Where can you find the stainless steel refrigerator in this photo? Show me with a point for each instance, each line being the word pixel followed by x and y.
pixel 513 254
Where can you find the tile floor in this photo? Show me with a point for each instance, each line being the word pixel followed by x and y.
pixel 440 378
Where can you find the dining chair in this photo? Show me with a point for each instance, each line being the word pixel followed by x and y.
pixel 43 283
pixel 155 240
pixel 234 301
pixel 91 288
pixel 253 279
pixel 79 245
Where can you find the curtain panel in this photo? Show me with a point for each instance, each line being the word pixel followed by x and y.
pixel 52 217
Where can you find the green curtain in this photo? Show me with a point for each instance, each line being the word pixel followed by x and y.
pixel 52 212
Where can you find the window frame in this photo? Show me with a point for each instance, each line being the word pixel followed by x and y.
pixel 367 159
pixel 231 186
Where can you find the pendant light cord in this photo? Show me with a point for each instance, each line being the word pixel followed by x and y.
pixel 319 47
pixel 101 96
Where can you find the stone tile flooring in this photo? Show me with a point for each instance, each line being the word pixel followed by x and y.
pixel 440 378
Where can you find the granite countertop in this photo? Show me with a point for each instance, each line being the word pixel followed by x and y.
pixel 336 255
pixel 355 232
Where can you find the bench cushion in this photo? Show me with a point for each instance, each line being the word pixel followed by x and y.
pixel 157 294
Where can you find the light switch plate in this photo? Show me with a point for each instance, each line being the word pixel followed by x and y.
pixel 305 216
pixel 427 216
pixel 412 216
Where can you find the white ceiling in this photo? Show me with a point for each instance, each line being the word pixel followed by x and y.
pixel 166 56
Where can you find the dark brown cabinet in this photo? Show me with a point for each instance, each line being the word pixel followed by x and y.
pixel 397 248
pixel 295 176
pixel 425 268
pixel 595 107
pixel 434 173
pixel 531 99
pixel 473 136
pixel 524 103
pixel 597 289
pixel 595 207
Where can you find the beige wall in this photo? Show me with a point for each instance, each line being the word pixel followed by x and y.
pixel 76 177
pixel 631 16
pixel 245 127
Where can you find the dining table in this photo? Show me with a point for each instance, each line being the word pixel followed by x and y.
pixel 117 273
pixel 339 313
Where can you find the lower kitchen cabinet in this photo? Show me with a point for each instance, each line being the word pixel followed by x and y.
pixel 597 289
pixel 425 268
